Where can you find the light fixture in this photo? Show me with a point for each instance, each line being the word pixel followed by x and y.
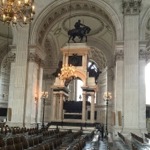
pixel 107 97
pixel 44 96
pixel 17 11
pixel 67 72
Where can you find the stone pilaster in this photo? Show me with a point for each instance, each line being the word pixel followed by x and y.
pixel 18 85
pixel 142 90
pixel 84 107
pixel 61 107
pixel 34 85
pixel 131 69
pixel 118 94
pixel 26 76
pixel 54 106
pixel 92 107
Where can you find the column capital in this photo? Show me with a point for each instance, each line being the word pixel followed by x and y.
pixel 36 54
pixel 142 54
pixel 147 55
pixel 131 7
pixel 8 59
pixel 119 55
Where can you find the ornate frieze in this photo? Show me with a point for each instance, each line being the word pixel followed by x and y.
pixel 119 55
pixel 131 7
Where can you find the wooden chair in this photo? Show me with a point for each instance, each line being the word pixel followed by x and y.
pixel 2 143
pixel 31 142
pixel 46 146
pixel 36 141
pixel 2 148
pixel 19 146
pixel 10 147
pixel 10 141
pixel 17 140
pixel 25 143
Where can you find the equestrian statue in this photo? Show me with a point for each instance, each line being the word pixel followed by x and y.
pixel 79 31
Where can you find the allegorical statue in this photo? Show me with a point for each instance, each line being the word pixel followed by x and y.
pixel 79 31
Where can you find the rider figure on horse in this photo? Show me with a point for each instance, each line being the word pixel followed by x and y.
pixel 78 25
pixel 79 31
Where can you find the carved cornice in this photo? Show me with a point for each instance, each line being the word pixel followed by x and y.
pixel 131 7
pixel 119 55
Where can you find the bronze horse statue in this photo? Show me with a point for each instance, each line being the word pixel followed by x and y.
pixel 80 33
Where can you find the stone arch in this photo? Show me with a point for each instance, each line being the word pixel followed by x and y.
pixel 143 24
pixel 102 6
pixel 81 75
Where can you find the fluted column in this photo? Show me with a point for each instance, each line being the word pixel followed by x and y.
pixel 61 107
pixel 18 75
pixel 39 91
pixel 34 85
pixel 84 107
pixel 92 107
pixel 118 107
pixel 142 90
pixel 131 66
pixel 54 106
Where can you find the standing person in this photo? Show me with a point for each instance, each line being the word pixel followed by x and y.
pixel 102 131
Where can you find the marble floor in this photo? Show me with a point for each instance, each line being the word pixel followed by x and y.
pixel 97 143
pixel 102 145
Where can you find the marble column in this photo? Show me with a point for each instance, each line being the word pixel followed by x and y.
pixel 131 67
pixel 18 85
pixel 142 90
pixel 25 79
pixel 11 86
pixel 39 109
pixel 92 107
pixel 84 107
pixel 61 107
pixel 54 106
pixel 34 86
pixel 118 94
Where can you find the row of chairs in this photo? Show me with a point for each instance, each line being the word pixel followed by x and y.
pixel 49 145
pixel 78 144
pixel 26 142
pixel 18 130
pixel 77 134
pixel 22 142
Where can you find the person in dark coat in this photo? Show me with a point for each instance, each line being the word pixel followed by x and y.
pixel 102 131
